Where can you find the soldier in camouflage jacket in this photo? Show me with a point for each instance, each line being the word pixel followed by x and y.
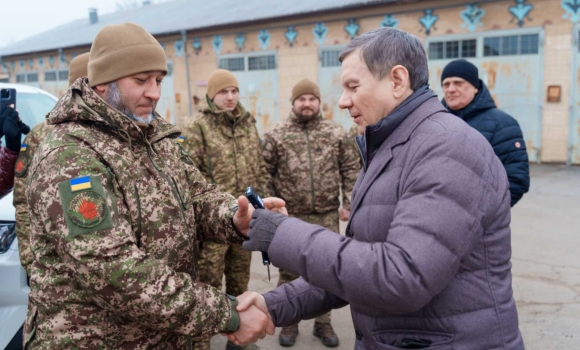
pixel 116 210
pixel 310 159
pixel 223 142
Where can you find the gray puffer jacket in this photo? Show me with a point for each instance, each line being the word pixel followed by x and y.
pixel 427 260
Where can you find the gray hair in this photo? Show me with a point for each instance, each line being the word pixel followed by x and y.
pixel 383 48
pixel 115 99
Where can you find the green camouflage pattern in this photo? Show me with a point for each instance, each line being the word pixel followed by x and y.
pixel 32 140
pixel 309 162
pixel 131 286
pixel 215 260
pixel 225 146
pixel 328 220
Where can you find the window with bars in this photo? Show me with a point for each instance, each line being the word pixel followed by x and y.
pixel 232 64
pixel 49 76
pixel 60 75
pixel 452 49
pixel 329 58
pixel 63 75
pixel 262 62
pixel 32 77
pixel 527 44
pixel 20 78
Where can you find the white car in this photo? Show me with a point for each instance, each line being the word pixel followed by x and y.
pixel 32 104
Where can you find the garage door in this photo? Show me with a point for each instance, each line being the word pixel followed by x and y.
pixel 574 129
pixel 510 64
pixel 330 87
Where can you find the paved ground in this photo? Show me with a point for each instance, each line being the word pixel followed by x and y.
pixel 546 268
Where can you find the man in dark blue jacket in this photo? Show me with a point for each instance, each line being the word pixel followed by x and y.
pixel 467 97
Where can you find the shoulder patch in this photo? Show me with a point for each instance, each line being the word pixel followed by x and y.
pixel 22 162
pixel 84 205
pixel 181 139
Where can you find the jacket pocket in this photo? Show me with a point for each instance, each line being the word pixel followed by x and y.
pixel 412 339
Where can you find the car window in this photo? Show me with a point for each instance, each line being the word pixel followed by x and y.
pixel 32 108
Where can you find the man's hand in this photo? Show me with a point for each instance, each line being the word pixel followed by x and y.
pixel 243 216
pixel 262 230
pixel 247 302
pixel 344 214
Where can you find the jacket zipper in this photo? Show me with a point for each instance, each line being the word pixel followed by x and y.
pixel 311 171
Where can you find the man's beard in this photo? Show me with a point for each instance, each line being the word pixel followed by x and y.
pixel 301 116
pixel 115 100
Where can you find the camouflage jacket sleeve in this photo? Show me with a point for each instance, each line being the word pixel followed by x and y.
pixel 270 154
pixel 349 167
pixel 22 218
pixel 214 211
pixel 106 262
pixel 194 145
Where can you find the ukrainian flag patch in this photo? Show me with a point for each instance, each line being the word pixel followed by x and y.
pixel 23 147
pixel 80 183
pixel 181 139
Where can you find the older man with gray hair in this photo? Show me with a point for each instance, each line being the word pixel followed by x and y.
pixel 426 260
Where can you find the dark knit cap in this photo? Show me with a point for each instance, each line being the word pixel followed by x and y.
pixel 463 69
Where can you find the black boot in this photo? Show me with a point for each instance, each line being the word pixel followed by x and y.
pixel 288 335
pixel 325 332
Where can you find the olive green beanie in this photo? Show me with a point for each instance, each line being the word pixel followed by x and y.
pixel 78 67
pixel 219 80
pixel 304 87
pixel 121 50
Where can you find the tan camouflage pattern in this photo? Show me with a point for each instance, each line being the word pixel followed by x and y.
pixel 353 131
pixel 328 220
pixel 132 286
pixel 309 162
pixel 32 140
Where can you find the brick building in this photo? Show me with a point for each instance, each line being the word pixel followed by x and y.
pixel 527 52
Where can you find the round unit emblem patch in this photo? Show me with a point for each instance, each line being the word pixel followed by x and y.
pixel 87 209
pixel 21 166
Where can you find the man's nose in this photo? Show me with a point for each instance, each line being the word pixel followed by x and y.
pixel 344 101
pixel 152 90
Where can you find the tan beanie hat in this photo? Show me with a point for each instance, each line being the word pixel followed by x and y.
pixel 219 80
pixel 78 67
pixel 121 50
pixel 303 87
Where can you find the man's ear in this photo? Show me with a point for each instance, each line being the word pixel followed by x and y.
pixel 102 90
pixel 401 81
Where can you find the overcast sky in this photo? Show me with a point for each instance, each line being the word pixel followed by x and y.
pixel 20 19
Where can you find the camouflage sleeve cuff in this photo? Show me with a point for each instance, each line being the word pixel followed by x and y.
pixel 233 323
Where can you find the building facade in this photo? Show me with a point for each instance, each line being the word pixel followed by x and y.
pixel 527 51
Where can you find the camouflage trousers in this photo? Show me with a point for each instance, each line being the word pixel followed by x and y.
pixel 328 220
pixel 215 260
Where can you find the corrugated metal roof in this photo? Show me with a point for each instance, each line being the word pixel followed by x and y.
pixel 173 16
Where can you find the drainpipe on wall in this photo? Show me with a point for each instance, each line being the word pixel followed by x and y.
pixel 184 38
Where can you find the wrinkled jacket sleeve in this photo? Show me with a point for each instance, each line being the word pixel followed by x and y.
pixel 437 221
pixel 22 228
pixel 117 275
pixel 513 158
pixel 270 154
pixel 349 164
pixel 214 211
pixel 7 161
pixel 288 305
